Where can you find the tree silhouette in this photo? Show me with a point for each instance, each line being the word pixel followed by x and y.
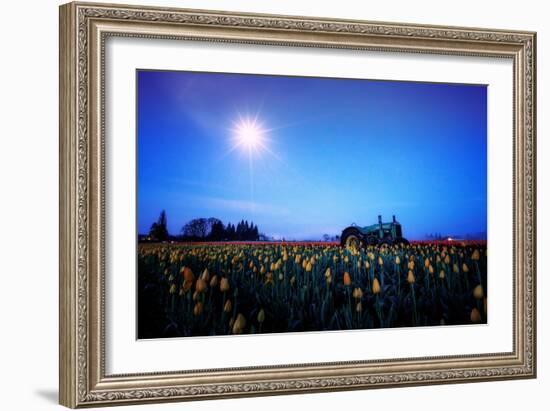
pixel 159 230
pixel 196 229
pixel 240 231
pixel 217 231
pixel 230 232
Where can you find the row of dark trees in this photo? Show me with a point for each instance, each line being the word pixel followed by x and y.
pixel 213 229
pixel 205 229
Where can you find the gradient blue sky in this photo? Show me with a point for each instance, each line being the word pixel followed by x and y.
pixel 341 151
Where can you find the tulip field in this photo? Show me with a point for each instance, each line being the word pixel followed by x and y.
pixel 206 289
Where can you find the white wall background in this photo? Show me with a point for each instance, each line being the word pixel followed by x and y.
pixel 29 196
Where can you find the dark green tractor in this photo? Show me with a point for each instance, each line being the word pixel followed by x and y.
pixel 355 237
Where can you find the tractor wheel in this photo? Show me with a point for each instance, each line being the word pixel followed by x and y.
pixel 351 239
pixel 402 241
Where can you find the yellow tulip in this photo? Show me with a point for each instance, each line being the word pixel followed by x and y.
pixel 347 279
pixel 227 306
pixel 475 316
pixel 188 278
pixel 224 285
pixel 239 324
pixel 197 310
pixel 261 316
pixel 375 286
pixel 478 292
pixel 200 286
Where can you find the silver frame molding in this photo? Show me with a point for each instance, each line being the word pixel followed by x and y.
pixel 83 30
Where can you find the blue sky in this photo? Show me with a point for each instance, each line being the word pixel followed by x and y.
pixel 336 151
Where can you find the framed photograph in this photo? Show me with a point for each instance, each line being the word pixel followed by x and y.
pixel 259 204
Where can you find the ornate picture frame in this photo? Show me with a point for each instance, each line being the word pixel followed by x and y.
pixel 84 29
